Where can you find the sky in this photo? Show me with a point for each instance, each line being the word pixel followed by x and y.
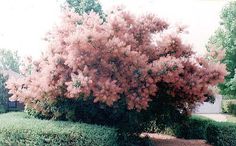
pixel 24 23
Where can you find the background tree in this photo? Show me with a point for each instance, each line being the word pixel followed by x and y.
pixel 9 60
pixel 85 6
pixel 9 63
pixel 3 94
pixel 225 39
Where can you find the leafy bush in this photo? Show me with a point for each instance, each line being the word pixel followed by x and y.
pixel 2 109
pixel 129 122
pixel 193 128
pixel 232 109
pixel 154 127
pixel 221 134
pixel 216 133
pixel 124 72
pixel 19 129
pixel 226 103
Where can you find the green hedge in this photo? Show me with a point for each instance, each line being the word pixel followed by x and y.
pixel 215 133
pixel 193 128
pixel 232 109
pixel 2 108
pixel 226 104
pixel 18 129
pixel 221 134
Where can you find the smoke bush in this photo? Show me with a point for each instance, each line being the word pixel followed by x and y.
pixel 125 62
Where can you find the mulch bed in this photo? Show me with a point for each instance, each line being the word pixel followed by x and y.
pixel 166 140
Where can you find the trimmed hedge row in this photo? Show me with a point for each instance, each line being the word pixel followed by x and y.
pixel 18 129
pixel 232 109
pixel 193 128
pixel 221 134
pixel 216 133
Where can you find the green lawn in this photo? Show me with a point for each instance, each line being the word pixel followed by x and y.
pixel 231 118
pixel 201 117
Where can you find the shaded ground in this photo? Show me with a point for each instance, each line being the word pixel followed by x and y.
pixel 166 140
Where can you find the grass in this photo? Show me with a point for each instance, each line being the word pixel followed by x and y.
pixel 231 118
pixel 201 117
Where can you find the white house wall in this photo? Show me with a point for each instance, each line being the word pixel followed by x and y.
pixel 209 108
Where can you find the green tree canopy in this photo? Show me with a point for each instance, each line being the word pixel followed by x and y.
pixel 3 93
pixel 85 6
pixel 9 60
pixel 225 38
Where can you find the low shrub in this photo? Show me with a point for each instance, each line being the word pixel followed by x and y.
pixel 2 109
pixel 193 128
pixel 232 109
pixel 19 129
pixel 129 122
pixel 196 127
pixel 226 103
pixel 216 133
pixel 221 134
pixel 126 120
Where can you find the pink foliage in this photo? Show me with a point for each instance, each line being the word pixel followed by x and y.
pixel 117 57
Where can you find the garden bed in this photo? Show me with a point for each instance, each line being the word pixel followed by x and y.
pixel 166 140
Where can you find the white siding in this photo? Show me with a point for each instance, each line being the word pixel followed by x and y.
pixel 209 108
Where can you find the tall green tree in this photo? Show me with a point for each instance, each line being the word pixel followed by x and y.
pixel 225 38
pixel 9 60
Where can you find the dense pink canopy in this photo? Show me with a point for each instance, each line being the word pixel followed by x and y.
pixel 123 55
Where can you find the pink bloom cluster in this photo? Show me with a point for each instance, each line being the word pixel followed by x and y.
pixel 115 57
